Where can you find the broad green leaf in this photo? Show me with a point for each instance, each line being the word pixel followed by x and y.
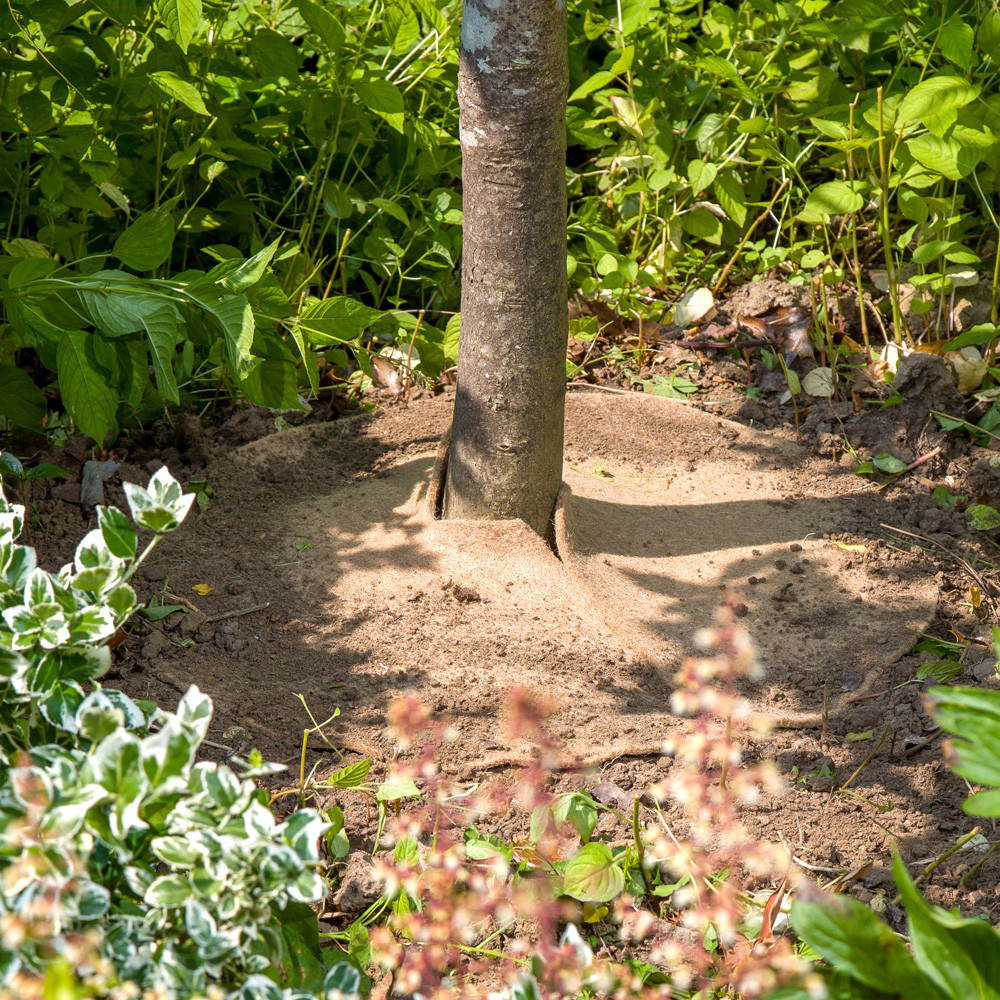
pixel 982 517
pixel 336 320
pixel 162 333
pixel 701 174
pixel 961 956
pixel 251 271
pixel 831 198
pixel 84 388
pixel 731 197
pixel 21 402
pixel 889 463
pixel 395 787
pixel 912 205
pixel 322 23
pixel 117 300
pixel 592 875
pixel 350 776
pixel 383 98
pixel 975 336
pixel 988 35
pixel 122 11
pixel 931 250
pixel 180 90
pixel 949 157
pixel 146 244
pixel 401 25
pixel 182 18
pixel 579 810
pixel 235 317
pixel 11 464
pixel 955 42
pixel 935 95
pixel 299 931
pixel 593 82
pixel 703 224
pixel 856 942
pixel 628 111
pixel 273 383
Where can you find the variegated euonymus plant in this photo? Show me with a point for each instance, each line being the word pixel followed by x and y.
pixel 127 867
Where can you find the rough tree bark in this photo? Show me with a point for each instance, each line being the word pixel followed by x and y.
pixel 507 435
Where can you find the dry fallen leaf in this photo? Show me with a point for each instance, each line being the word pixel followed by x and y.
pixel 850 548
pixel 820 382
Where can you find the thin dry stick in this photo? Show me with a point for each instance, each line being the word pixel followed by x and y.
pixel 964 563
pixel 746 236
pixel 867 760
pixel 824 735
pixel 238 614
pixel 923 743
pixel 177 597
pixel 933 866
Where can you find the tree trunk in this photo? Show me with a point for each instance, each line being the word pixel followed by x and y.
pixel 507 436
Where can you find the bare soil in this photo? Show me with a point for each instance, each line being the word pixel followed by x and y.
pixel 361 596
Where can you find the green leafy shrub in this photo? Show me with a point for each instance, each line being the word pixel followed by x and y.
pixel 846 135
pixel 153 156
pixel 124 860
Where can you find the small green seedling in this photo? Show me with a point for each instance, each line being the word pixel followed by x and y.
pixel 12 468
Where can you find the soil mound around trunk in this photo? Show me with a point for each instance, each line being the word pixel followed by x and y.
pixel 370 598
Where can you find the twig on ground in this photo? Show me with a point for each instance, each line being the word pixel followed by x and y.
pixel 932 867
pixel 964 563
pixel 176 597
pixel 936 735
pixel 237 614
pixel 867 760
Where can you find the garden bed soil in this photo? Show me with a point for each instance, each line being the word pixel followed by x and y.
pixel 317 576
pixel 362 597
